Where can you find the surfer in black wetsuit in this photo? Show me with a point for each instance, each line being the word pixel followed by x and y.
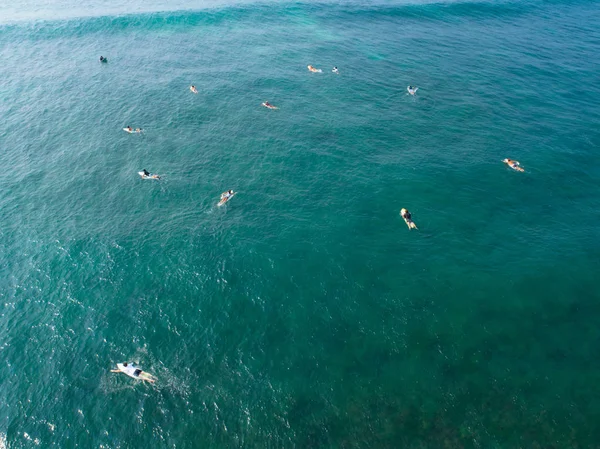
pixel 103 59
pixel 405 214
pixel 134 372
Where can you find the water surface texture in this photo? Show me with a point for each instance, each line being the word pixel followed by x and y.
pixel 304 313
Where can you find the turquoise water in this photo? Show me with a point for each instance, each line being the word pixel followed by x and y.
pixel 303 314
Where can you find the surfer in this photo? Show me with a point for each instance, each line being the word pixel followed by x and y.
pixel 405 214
pixel 145 174
pixel 138 130
pixel 103 59
pixel 226 196
pixel 335 70
pixel 193 89
pixel 266 104
pixel 412 90
pixel 513 164
pixel 129 129
pixel 314 70
pixel 134 372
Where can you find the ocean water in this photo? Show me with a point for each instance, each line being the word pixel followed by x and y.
pixel 304 313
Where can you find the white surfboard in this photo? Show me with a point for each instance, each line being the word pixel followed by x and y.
pixel 225 199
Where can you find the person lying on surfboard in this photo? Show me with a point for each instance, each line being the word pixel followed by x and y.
pixel 513 164
pixel 226 196
pixel 146 174
pixel 193 89
pixel 103 59
pixel 405 214
pixel 412 90
pixel 132 371
pixel 314 70
pixel 335 70
pixel 129 129
pixel 266 104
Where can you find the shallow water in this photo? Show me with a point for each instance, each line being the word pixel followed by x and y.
pixel 303 313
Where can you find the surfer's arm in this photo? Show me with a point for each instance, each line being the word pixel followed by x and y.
pixel 115 370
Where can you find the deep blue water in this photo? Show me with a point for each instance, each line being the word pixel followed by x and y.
pixel 304 313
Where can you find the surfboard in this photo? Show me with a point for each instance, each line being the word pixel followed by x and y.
pixel 150 176
pixel 225 199
pixel 130 131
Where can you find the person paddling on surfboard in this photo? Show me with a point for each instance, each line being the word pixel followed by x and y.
pixel 132 371
pixel 405 214
pixel 335 70
pixel 145 174
pixel 226 196
pixel 314 70
pixel 103 59
pixel 266 104
pixel 513 164
pixel 193 89
pixel 412 90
